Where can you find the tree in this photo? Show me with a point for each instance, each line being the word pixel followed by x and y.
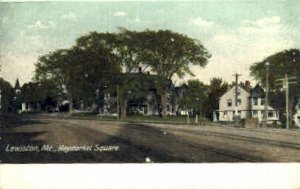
pixel 167 54
pixel 217 88
pixel 134 87
pixel 195 96
pixel 120 45
pixel 78 71
pixel 36 93
pixel 7 94
pixel 281 63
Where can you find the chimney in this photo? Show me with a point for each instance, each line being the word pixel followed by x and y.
pixel 247 85
pixel 140 69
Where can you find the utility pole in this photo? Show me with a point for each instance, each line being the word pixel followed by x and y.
pixel 236 95
pixel 265 122
pixel 285 86
pixel 118 111
pixel 0 96
pixel 0 101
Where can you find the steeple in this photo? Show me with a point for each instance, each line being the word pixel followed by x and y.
pixel 17 87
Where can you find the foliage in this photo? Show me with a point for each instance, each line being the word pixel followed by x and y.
pixel 217 88
pixel 194 97
pixel 281 63
pixel 44 93
pixel 167 54
pixel 7 94
pixel 78 71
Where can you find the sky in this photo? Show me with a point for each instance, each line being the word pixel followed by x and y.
pixel 237 33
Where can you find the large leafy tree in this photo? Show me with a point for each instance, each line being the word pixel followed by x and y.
pixel 7 94
pixel 216 89
pixel 195 96
pixel 134 87
pixel 37 94
pixel 78 71
pixel 281 63
pixel 57 66
pixel 167 54
pixel 120 45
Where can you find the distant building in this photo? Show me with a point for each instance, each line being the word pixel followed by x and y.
pixel 250 104
pixel 297 114
pixel 149 104
pixel 17 87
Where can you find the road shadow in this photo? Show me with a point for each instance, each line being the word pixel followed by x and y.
pixel 136 143
pixel 11 121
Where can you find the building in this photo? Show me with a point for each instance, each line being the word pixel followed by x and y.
pixel 297 114
pixel 145 101
pixel 249 104
pixel 17 87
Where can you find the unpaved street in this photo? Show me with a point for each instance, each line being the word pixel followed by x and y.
pixel 37 139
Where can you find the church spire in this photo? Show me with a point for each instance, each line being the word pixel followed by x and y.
pixel 17 85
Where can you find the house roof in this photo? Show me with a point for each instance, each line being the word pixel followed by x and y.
pixel 257 92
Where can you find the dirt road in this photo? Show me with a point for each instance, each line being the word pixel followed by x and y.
pixel 29 139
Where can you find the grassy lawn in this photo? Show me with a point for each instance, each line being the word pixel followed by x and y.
pixel 144 119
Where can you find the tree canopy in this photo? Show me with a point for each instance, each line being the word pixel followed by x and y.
pixel 217 88
pixel 7 94
pixel 281 63
pixel 195 96
pixel 97 59
pixel 167 54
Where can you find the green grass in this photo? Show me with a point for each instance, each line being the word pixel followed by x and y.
pixel 143 119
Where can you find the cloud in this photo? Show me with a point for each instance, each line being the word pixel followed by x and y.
pixel 120 14
pixel 69 16
pixel 4 19
pixel 236 49
pixel 263 22
pixel 200 22
pixel 17 66
pixel 40 25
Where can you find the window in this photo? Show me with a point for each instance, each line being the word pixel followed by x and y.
pixel 254 113
pixel 262 101
pixel 229 102
pixel 270 114
pixel 239 101
pixel 225 113
pixel 255 101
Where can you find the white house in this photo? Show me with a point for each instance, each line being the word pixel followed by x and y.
pixel 297 114
pixel 249 104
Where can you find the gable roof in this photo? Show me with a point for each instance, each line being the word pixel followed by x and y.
pixel 257 92
pixel 17 85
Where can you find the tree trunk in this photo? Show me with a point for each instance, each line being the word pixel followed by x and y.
pixel 163 97
pixel 123 107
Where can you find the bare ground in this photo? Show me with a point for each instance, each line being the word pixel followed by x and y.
pixel 136 142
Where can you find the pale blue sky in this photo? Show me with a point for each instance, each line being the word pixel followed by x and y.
pixel 237 33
